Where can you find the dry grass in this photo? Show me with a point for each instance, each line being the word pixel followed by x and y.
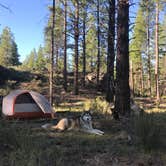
pixel 25 143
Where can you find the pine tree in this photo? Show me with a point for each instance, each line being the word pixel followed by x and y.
pixel 91 46
pixel 137 46
pixel 30 61
pixel 76 38
pixel 162 37
pixel 15 55
pixel 8 49
pixel 157 51
pixel 84 26
pixel 98 42
pixel 40 60
pixel 51 76
pixel 148 12
pixel 122 91
pixel 58 33
pixel 111 52
pixel 65 47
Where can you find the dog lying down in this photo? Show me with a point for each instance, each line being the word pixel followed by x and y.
pixel 82 123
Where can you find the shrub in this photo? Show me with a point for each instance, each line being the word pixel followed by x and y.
pixel 99 105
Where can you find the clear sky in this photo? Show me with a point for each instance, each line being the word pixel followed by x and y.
pixel 27 20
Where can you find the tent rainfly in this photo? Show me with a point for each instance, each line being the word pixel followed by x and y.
pixel 26 104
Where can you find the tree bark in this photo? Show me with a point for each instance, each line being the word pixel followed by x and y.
pixel 148 53
pixel 52 54
pixel 57 56
pixel 131 79
pixel 65 47
pixel 84 46
pixel 122 91
pixel 142 77
pixel 111 52
pixel 157 52
pixel 76 37
pixel 98 41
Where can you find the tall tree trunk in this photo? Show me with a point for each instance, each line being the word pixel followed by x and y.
pixel 91 64
pixel 157 52
pixel 148 54
pixel 57 56
pixel 52 54
pixel 76 37
pixel 65 48
pixel 122 91
pixel 142 77
pixel 111 52
pixel 98 40
pixel 131 79
pixel 84 45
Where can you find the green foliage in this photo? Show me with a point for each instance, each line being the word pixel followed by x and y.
pixel 32 59
pixel 58 32
pixel 138 41
pixel 162 49
pixel 36 60
pixel 8 49
pixel 10 77
pixel 91 42
pixel 162 67
pixel 29 62
pixel 141 48
pixel 148 131
pixel 40 60
pixel 15 55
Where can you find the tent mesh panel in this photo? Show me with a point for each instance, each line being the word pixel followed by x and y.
pixel 24 98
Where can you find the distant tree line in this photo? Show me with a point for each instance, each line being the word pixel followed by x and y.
pixel 36 60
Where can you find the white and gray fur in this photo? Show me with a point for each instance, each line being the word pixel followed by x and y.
pixel 81 123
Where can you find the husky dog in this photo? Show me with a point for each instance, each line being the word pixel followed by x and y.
pixel 80 123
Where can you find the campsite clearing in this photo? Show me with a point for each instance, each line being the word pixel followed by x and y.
pixel 24 142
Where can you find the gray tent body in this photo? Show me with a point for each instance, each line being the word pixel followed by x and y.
pixel 26 104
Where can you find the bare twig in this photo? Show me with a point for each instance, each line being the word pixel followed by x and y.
pixel 6 7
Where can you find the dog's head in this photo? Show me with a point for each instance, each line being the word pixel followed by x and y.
pixel 86 116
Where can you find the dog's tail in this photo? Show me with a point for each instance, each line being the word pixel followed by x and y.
pixel 46 126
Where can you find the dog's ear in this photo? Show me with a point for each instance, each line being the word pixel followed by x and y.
pixel 90 111
pixel 86 112
pixel 83 112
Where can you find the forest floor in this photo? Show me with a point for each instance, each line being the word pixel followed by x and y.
pixel 138 141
